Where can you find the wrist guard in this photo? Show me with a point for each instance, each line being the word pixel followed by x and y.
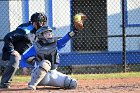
pixel 73 33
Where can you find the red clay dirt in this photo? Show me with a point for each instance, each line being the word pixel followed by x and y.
pixel 118 85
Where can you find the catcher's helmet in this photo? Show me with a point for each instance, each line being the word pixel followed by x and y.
pixel 39 34
pixel 43 29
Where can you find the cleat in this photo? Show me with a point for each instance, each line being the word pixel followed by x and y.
pixel 5 86
pixel 31 87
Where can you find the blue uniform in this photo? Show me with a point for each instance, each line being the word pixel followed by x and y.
pixel 45 51
pixel 32 52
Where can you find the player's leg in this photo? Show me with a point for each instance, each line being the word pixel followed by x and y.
pixel 45 80
pixel 70 83
pixel 10 71
pixel 57 79
pixel 39 73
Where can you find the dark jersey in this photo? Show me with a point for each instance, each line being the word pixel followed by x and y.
pixel 19 40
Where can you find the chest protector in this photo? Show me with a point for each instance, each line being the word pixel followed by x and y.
pixel 47 52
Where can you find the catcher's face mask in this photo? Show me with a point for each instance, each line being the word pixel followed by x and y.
pixel 45 34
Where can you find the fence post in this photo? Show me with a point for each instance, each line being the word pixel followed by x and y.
pixel 124 35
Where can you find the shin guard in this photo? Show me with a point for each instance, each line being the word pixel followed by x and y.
pixel 39 73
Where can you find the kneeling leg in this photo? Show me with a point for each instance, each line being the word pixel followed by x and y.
pixel 39 73
pixel 57 79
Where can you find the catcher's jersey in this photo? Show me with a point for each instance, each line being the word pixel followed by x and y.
pixel 47 52
pixel 30 52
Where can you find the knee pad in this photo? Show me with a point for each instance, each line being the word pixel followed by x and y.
pixel 70 83
pixel 45 64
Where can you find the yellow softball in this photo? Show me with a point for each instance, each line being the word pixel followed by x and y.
pixel 77 18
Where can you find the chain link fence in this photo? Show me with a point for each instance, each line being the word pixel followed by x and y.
pixel 108 43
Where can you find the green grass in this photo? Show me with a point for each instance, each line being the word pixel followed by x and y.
pixel 21 78
pixel 87 76
pixel 106 76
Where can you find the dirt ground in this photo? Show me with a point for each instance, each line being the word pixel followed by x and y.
pixel 119 85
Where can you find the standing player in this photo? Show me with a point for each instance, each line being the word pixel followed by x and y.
pixel 45 50
pixel 16 42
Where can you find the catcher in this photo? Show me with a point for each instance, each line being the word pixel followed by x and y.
pixel 44 52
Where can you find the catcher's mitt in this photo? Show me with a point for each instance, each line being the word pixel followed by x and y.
pixel 79 21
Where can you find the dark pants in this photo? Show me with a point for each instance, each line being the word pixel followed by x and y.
pixel 10 70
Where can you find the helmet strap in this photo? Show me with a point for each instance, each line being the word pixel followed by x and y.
pixel 38 25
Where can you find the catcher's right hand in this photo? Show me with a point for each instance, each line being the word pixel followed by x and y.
pixel 25 71
pixel 79 21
